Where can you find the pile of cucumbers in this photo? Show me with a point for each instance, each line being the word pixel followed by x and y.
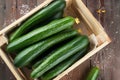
pixel 47 42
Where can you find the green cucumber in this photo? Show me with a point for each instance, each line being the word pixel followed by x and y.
pixel 40 16
pixel 30 53
pixel 63 65
pixel 38 62
pixel 60 54
pixel 58 15
pixel 41 33
pixel 93 74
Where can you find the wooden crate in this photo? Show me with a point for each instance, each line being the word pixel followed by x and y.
pixel 88 25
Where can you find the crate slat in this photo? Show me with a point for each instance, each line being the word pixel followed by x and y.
pixel 10 65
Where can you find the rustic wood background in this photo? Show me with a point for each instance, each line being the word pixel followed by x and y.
pixel 108 59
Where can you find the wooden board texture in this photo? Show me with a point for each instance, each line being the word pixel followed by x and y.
pixel 108 59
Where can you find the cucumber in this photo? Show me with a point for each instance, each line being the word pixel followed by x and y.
pixel 38 62
pixel 30 53
pixel 93 74
pixel 60 54
pixel 63 65
pixel 40 16
pixel 40 33
pixel 58 15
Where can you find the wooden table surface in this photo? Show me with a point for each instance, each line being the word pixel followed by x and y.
pixel 108 59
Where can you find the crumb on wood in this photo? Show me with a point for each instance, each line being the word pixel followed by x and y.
pixel 24 8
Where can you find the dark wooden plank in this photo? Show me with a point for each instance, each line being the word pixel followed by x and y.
pixel 22 8
pixel 13 9
pixel 100 59
pixel 5 73
pixel 2 6
pixel 10 12
pixel 111 25
pixel 32 3
pixel 2 64
pixel 108 58
pixel 40 1
pixel 8 17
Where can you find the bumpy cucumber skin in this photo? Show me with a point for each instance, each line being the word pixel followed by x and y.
pixel 29 54
pixel 58 15
pixel 63 65
pixel 69 49
pixel 40 16
pixel 93 74
pixel 41 33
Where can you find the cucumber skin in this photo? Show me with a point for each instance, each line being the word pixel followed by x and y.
pixel 40 16
pixel 63 65
pixel 58 15
pixel 60 54
pixel 39 62
pixel 41 33
pixel 93 74
pixel 30 53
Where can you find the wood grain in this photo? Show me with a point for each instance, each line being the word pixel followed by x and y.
pixel 7 15
pixel 2 7
pixel 108 59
